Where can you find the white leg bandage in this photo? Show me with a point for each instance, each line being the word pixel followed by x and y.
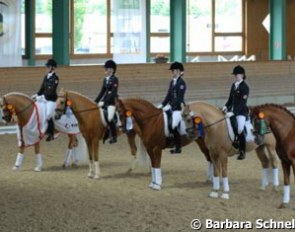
pixel 264 178
pixel 275 177
pixel 19 160
pixel 216 184
pixel 158 176
pixel 286 194
pixel 39 163
pixel 225 184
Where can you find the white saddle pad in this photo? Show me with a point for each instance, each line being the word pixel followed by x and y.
pixel 249 131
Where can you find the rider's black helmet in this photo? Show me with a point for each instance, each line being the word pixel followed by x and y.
pixel 110 64
pixel 51 62
pixel 238 70
pixel 176 65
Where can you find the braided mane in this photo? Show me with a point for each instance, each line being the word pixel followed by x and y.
pixel 275 106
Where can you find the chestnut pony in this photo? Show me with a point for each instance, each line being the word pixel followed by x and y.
pixel 220 146
pixel 91 126
pixel 282 124
pixel 148 123
pixel 22 107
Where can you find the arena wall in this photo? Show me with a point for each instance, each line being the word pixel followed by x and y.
pixel 269 81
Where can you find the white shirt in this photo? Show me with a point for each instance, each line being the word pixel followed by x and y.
pixel 175 80
pixel 237 83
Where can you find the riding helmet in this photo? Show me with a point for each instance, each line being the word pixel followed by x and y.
pixel 51 62
pixel 176 65
pixel 238 70
pixel 110 64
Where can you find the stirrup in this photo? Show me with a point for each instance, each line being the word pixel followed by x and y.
pixel 113 140
pixel 176 150
pixel 49 138
pixel 241 156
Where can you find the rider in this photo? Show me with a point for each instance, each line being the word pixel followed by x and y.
pixel 175 97
pixel 108 94
pixel 237 104
pixel 48 89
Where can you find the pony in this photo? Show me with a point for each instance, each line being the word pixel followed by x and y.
pixel 21 106
pixel 215 135
pixel 148 123
pixel 282 124
pixel 91 125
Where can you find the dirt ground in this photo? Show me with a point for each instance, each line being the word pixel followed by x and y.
pixel 66 200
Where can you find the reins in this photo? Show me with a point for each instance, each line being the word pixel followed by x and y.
pixel 218 121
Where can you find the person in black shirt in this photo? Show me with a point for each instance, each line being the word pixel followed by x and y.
pixel 237 104
pixel 107 96
pixel 175 98
pixel 49 90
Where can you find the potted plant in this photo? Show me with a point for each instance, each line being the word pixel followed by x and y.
pixel 160 58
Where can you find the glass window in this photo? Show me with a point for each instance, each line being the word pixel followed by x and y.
pixel 228 43
pixel 199 26
pixel 160 12
pixel 43 16
pixel 23 27
pixel 160 44
pixel 228 16
pixel 90 26
pixel 43 46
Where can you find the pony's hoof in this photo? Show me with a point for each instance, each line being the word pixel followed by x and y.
pixel 15 168
pixel 151 185
pixel 89 175
pixel 283 206
pixel 96 177
pixel 74 165
pixel 225 196
pixel 129 170
pixel 213 194
pixel 263 188
pixel 37 169
pixel 156 187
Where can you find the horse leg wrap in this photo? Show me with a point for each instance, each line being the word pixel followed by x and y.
pixel 225 184
pixel 216 183
pixel 68 157
pixel 39 163
pixel 275 177
pixel 286 194
pixel 153 178
pixel 158 176
pixel 18 161
pixel 264 178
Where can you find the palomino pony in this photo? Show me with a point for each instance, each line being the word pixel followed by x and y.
pixel 220 146
pixel 91 125
pixel 148 123
pixel 282 124
pixel 22 106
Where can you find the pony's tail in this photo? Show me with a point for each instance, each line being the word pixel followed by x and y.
pixel 81 150
pixel 142 155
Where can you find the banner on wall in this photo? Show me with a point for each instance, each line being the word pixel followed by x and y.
pixel 129 41
pixel 10 33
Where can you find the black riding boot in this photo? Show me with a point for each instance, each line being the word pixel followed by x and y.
pixel 50 130
pixel 177 142
pixel 242 148
pixel 113 132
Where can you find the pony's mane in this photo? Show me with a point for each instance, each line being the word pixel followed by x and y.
pixel 16 93
pixel 79 94
pixel 141 101
pixel 275 106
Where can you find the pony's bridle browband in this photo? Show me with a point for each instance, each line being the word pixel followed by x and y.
pixel 17 112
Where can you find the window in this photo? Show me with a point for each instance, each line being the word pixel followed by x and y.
pixel 214 26
pixel 43 27
pixel 90 26
pixel 160 32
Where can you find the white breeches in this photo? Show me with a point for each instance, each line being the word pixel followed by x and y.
pixel 176 118
pixel 50 109
pixel 241 120
pixel 111 112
